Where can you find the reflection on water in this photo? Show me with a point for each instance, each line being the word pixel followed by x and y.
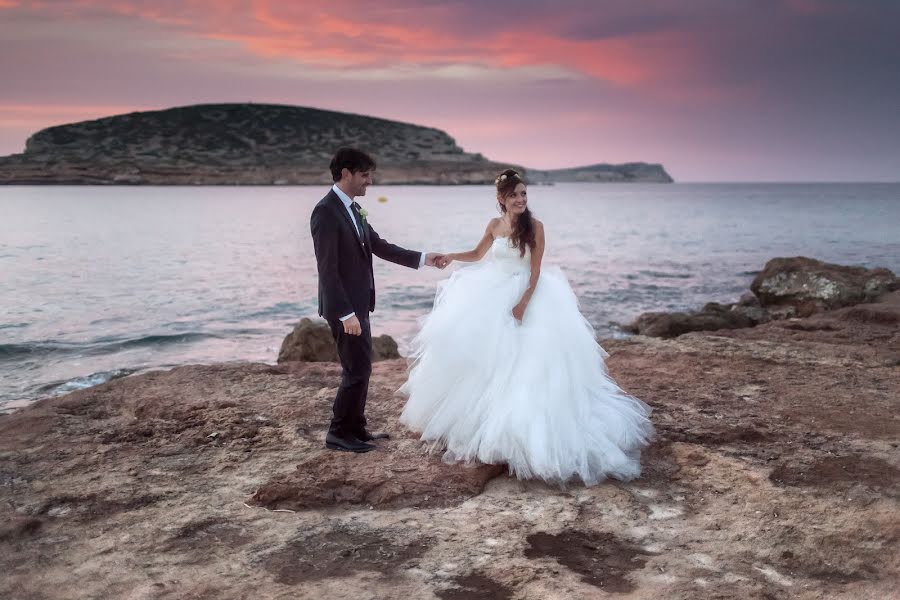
pixel 97 282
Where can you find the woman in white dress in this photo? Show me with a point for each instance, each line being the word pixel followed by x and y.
pixel 507 370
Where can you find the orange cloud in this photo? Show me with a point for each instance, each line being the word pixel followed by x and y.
pixel 327 41
pixel 351 34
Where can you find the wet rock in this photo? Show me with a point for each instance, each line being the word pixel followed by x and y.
pixel 339 553
pixel 602 559
pixel 840 472
pixel 19 527
pixel 475 586
pixel 404 476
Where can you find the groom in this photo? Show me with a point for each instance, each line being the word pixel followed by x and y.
pixel 344 243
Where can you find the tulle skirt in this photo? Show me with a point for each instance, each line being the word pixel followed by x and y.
pixel 534 395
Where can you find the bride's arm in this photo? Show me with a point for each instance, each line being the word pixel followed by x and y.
pixel 537 254
pixel 479 251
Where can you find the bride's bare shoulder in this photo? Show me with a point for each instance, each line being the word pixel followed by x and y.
pixel 492 226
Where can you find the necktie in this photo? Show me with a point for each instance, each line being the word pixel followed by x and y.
pixel 359 222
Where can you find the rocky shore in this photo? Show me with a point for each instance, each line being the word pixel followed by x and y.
pixel 784 289
pixel 776 474
pixel 262 144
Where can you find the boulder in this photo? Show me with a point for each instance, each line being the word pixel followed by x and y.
pixel 787 288
pixel 810 286
pixel 713 317
pixel 311 341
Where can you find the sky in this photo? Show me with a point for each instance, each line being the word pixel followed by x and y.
pixel 715 90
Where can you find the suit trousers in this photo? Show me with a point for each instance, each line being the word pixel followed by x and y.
pixel 355 353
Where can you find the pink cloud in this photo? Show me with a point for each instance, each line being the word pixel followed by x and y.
pixel 353 34
pixel 47 115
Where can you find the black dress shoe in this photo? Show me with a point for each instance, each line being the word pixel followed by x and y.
pixel 365 436
pixel 346 444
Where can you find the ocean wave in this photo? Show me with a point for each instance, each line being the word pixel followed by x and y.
pixel 13 351
pixel 108 345
pixel 57 388
pixel 664 275
pixel 165 340
pixel 279 309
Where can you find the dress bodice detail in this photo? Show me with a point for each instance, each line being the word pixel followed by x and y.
pixel 508 256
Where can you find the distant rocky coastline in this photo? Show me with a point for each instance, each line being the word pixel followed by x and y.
pixel 263 144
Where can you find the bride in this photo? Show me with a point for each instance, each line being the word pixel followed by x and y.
pixel 507 370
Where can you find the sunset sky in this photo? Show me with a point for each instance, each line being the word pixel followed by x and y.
pixel 715 90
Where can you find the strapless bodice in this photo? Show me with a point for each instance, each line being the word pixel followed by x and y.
pixel 508 256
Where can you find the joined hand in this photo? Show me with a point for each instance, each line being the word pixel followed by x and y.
pixel 433 259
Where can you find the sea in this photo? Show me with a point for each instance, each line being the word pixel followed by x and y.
pixel 98 283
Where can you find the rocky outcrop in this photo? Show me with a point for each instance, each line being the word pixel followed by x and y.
pixel 809 285
pixel 775 474
pixel 253 144
pixel 604 173
pixel 713 317
pixel 786 288
pixel 311 341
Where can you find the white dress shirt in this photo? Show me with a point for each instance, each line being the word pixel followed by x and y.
pixel 348 202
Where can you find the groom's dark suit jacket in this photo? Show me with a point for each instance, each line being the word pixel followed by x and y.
pixel 344 261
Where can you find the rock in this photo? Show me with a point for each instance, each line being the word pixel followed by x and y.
pixel 384 348
pixel 754 315
pixel 311 341
pixel 712 318
pixel 748 299
pixel 810 285
pixel 308 342
pixel 787 288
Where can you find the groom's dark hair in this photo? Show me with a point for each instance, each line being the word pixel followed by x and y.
pixel 351 159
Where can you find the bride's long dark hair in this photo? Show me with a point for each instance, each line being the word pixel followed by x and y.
pixel 522 235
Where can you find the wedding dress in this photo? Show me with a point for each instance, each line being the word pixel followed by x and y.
pixel 534 395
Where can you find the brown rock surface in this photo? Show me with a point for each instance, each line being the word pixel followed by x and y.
pixel 786 288
pixel 311 341
pixel 713 317
pixel 810 285
pixel 775 475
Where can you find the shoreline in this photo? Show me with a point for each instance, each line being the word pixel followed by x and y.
pixel 776 472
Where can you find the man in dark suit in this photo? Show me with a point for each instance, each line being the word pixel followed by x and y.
pixel 344 243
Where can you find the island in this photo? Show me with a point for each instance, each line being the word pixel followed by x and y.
pixel 264 144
